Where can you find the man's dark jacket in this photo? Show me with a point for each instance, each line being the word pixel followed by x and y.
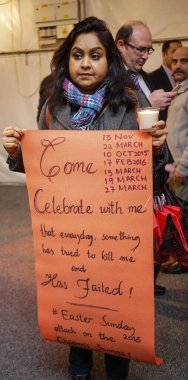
pixel 160 79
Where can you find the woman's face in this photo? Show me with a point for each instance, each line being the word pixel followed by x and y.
pixel 88 65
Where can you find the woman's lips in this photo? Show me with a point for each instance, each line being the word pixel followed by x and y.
pixel 85 75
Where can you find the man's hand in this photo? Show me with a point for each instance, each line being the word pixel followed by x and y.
pixel 178 177
pixel 161 99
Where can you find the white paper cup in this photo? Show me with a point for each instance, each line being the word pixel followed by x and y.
pixel 147 117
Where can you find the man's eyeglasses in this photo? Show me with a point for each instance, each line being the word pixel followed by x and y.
pixel 141 50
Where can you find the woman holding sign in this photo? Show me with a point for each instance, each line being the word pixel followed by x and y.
pixel 91 91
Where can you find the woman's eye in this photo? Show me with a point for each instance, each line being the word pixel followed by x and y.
pixel 77 56
pixel 95 56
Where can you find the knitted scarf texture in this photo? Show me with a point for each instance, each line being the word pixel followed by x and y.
pixel 89 105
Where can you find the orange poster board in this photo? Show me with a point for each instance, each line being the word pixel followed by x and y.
pixel 90 196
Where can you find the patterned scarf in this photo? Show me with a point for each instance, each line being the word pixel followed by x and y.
pixel 90 105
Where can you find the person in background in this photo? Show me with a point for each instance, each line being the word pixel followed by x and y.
pixel 177 125
pixel 91 92
pixel 163 76
pixel 134 43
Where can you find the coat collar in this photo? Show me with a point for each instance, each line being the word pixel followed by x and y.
pixel 109 120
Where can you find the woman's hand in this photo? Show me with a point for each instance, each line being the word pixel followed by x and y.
pixel 11 139
pixel 159 134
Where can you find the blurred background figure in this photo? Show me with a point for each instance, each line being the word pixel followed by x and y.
pixel 163 76
pixel 134 42
pixel 177 125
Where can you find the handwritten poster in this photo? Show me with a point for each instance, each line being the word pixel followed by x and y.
pixel 90 196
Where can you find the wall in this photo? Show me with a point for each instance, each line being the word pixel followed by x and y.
pixel 20 75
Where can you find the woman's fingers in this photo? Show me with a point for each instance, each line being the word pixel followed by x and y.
pixel 159 136
pixel 11 138
pixel 13 132
pixel 160 124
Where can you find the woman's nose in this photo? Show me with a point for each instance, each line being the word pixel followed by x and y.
pixel 86 62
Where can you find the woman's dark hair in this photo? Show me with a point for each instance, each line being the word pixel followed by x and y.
pixel 117 80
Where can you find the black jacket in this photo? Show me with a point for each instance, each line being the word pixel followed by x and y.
pixel 149 83
pixel 160 79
